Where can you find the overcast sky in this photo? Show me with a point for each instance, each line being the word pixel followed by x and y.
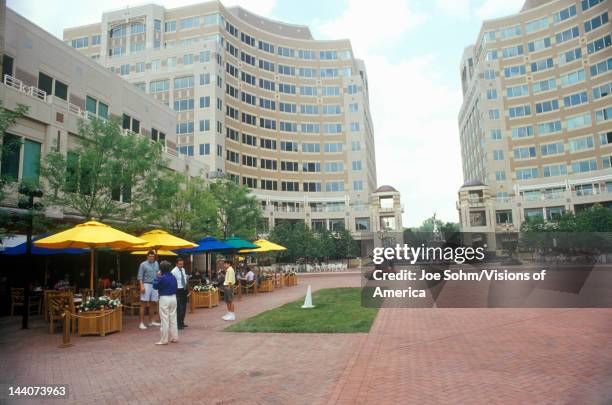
pixel 412 50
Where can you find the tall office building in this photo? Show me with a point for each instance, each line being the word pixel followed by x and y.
pixel 260 101
pixel 535 124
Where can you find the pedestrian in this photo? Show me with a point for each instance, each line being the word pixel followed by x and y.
pixel 146 275
pixel 181 291
pixel 165 283
pixel 228 292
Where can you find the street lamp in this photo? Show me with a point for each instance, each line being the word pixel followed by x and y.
pixel 26 202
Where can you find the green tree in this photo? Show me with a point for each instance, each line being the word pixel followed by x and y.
pixel 594 219
pixel 8 118
pixel 297 238
pixel 105 172
pixel 238 212
pixel 346 246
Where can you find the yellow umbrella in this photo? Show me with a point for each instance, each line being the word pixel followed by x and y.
pixel 264 246
pixel 90 235
pixel 159 253
pixel 161 240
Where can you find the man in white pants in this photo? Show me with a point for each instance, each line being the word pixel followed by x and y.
pixel 166 284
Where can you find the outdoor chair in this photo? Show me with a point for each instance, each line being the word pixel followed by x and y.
pixel 86 292
pixel 18 298
pixel 59 302
pixel 252 286
pixel 115 294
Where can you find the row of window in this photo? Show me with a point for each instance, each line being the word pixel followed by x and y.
pixel 311 187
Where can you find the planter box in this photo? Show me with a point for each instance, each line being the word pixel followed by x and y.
pixel 266 286
pixel 203 299
pixel 291 279
pixel 100 322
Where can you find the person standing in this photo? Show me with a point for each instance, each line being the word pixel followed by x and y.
pixel 165 284
pixel 228 292
pixel 146 275
pixel 181 292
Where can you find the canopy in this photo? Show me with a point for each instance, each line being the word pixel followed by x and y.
pixel 159 253
pixel 264 246
pixel 208 244
pixel 90 235
pixel 238 243
pixel 161 240
pixel 21 249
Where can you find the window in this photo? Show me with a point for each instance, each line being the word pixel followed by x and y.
pixel 184 127
pixel 333 147
pixel 287 107
pixel 554 170
pixel 156 65
pixel 522 132
pixel 520 111
pixel 232 134
pixel 567 35
pixel 601 67
pixel 246 58
pixel 183 83
pixel 551 149
pixel 287 166
pixel 500 175
pixel 570 56
pixel 124 70
pixel 286 70
pixel 95 40
pixel 334 167
pixel 190 22
pixel 250 161
pixel 330 91
pixel 513 71
pixel 526 174
pixel 185 104
pixel 579 121
pixel 564 14
pixel 334 128
pixel 249 119
pixel 356 165
pixel 605 138
pixel 351 89
pixel 362 224
pixel 355 146
pixel 489 74
pixel 307 72
pixel 491 55
pixel 572 78
pixel 524 153
pixel 204 149
pixel 205 102
pixel 584 166
pixel 170 26
pixel 599 92
pixel 498 154
pixel 140 67
pixel 188 59
pixel 249 78
pixel 510 32
pixel 249 98
pixel 267 104
pixel 290 186
pixel 334 186
pixel 331 109
pixel 286 52
pixel 266 65
pixel 596 22
pixel 267 84
pixel 544 85
pixel 582 143
pixel 60 90
pixel 491 94
pixel 306 54
pixel 536 25
pixel 232 112
pixel 268 164
pixel 311 147
pixel 599 44
pixel 249 182
pixel 289 146
pixel 309 109
pixel 80 42
pixel 11 150
pixel 512 51
pixel 310 128
pixel 516 91
pixel 328 73
pixel 288 126
pixel 354 127
pixel 267 123
pixel 575 99
pixel 604 114
pixel 547 106
pixel 495 134
pixel 587 4
pixel 542 64
pixel 231 69
pixel 353 107
pixel 247 39
pixel 286 88
pixel 266 47
pixel 311 187
pixel 308 91
pixel 503 217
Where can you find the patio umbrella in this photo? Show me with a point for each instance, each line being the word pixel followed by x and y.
pixel 206 246
pixel 158 239
pixel 89 235
pixel 159 253
pixel 21 249
pixel 264 246
pixel 238 243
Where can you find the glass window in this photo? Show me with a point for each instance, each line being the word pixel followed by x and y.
pixel 31 160
pixel 11 149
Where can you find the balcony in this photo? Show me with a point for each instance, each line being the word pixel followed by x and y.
pixel 18 85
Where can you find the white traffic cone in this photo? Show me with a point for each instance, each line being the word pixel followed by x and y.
pixel 308 299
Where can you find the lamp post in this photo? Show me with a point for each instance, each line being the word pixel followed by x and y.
pixel 26 202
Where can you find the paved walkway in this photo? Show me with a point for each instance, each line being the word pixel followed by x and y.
pixel 424 356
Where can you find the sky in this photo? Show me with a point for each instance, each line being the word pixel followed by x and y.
pixel 412 50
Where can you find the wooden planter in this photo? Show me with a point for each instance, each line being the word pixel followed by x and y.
pixel 266 286
pixel 290 279
pixel 100 322
pixel 203 299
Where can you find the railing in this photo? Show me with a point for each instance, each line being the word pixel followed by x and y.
pixel 23 88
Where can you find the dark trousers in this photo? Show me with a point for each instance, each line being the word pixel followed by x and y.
pixel 181 306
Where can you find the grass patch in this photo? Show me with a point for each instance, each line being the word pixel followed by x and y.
pixel 337 310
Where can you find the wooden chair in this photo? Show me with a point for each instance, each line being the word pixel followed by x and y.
pixel 87 292
pixel 58 302
pixel 114 294
pixel 18 298
pixel 132 300
pixel 252 286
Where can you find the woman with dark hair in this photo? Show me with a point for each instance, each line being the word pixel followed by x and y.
pixel 166 284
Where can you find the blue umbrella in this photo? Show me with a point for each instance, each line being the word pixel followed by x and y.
pixel 208 244
pixel 21 249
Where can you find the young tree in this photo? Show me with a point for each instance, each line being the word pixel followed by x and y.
pixel 107 170
pixel 346 247
pixel 238 212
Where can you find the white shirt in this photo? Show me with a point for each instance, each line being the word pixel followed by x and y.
pixel 176 272
pixel 250 276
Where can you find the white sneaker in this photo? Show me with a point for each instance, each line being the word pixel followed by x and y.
pixel 226 317
pixel 232 316
pixel 155 324
pixel 142 326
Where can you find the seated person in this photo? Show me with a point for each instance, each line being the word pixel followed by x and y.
pixel 250 276
pixel 63 284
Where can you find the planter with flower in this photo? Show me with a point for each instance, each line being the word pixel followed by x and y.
pixel 266 283
pixel 203 296
pixel 99 316
pixel 290 278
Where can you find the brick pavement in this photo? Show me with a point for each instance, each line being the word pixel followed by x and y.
pixel 424 356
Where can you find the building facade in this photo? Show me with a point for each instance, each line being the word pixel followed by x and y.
pixel 535 123
pixel 62 87
pixel 258 100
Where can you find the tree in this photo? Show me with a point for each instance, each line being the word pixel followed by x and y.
pixel 105 172
pixel 181 204
pixel 346 247
pixel 8 118
pixel 297 238
pixel 238 212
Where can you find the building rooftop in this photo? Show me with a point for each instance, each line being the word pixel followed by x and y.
pixel 386 189
pixel 529 4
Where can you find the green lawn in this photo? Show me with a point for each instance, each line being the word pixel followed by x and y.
pixel 337 310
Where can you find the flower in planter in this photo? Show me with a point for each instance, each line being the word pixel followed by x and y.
pixel 100 303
